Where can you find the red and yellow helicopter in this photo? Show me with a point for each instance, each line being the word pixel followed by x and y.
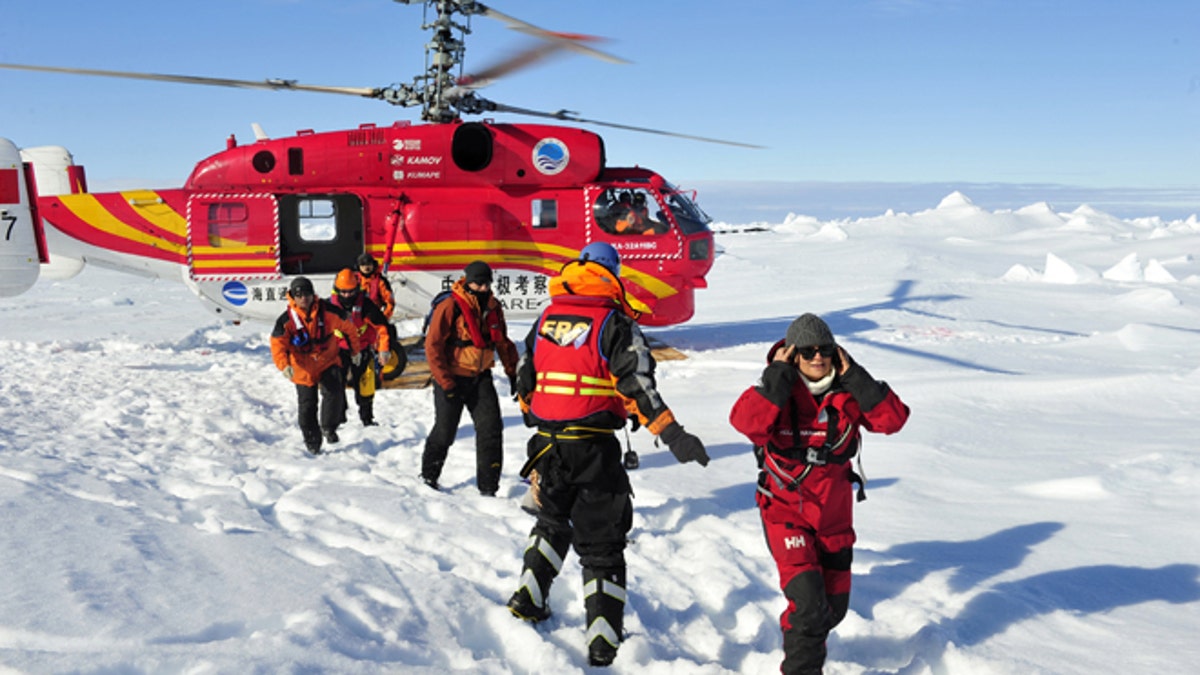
pixel 425 199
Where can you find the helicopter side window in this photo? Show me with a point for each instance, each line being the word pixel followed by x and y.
pixel 318 220
pixel 227 224
pixel 605 211
pixel 545 214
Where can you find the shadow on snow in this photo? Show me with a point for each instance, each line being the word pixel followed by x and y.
pixel 848 324
pixel 1088 589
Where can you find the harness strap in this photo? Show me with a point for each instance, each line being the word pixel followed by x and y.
pixel 575 433
pixel 301 330
pixel 570 433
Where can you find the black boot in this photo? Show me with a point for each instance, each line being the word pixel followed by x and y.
pixel 604 601
pixel 522 607
pixel 312 441
pixel 543 559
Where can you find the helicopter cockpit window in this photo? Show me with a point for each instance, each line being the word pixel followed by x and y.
pixel 629 211
pixel 688 214
pixel 545 214
pixel 318 219
pixel 227 224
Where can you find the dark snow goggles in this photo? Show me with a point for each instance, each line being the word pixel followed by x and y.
pixel 807 353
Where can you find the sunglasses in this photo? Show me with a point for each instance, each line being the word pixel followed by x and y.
pixel 808 353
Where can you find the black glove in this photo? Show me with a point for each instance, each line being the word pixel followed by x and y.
pixel 865 389
pixel 512 385
pixel 686 447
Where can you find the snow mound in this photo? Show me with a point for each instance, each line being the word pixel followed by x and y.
pixel 1148 299
pixel 1020 272
pixel 831 232
pixel 798 224
pixel 957 200
pixel 1059 271
pixel 1039 209
pixel 1155 272
pixel 1129 269
pixel 1138 337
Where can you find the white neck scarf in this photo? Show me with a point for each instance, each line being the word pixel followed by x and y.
pixel 820 386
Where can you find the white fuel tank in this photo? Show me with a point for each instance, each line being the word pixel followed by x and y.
pixel 19 260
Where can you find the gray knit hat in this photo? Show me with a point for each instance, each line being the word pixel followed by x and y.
pixel 807 331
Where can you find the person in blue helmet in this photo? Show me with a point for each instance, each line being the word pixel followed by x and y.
pixel 585 370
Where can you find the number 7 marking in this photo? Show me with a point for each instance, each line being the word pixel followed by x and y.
pixel 12 222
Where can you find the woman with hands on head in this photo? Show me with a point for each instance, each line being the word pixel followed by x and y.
pixel 804 417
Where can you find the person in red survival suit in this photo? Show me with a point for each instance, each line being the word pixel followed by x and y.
pixel 586 366
pixel 370 336
pixel 304 346
pixel 804 418
pixel 466 332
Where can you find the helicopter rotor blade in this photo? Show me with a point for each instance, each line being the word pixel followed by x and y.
pixel 569 116
pixel 518 60
pixel 570 41
pixel 272 84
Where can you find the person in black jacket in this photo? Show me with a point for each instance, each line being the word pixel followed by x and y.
pixel 586 366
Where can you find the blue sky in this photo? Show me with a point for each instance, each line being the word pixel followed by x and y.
pixel 1097 94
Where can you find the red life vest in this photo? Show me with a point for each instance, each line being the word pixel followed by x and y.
pixel 573 380
pixel 364 336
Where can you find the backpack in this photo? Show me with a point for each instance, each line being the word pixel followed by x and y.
pixel 437 300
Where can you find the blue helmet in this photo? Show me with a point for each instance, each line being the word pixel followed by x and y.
pixel 604 254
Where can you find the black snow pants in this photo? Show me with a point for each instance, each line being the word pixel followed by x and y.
pixel 332 391
pixel 478 395
pixel 585 501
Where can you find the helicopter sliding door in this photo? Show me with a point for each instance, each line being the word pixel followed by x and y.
pixel 319 233
pixel 233 236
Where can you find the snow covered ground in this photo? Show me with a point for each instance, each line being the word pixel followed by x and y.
pixel 1037 515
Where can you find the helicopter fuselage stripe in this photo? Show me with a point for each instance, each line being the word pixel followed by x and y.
pixel 144 225
pixel 156 209
pixel 87 219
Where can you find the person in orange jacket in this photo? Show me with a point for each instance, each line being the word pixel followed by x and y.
pixel 304 346
pixel 379 291
pixel 375 285
pixel 370 335
pixel 466 332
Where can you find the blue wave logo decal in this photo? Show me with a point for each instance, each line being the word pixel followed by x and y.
pixel 235 293
pixel 550 156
